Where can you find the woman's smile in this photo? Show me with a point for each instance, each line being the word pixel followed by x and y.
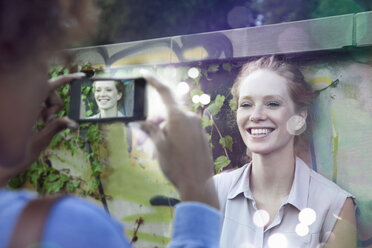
pixel 263 111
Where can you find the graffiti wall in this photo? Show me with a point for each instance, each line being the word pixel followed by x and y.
pixel 201 70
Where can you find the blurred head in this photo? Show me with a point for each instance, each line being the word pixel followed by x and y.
pixel 31 31
pixel 108 94
pixel 273 104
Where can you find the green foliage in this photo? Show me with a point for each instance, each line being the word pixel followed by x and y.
pixel 215 107
pixel 206 122
pixel 221 162
pixel 227 142
pixel 226 67
pixel 232 105
pixel 41 174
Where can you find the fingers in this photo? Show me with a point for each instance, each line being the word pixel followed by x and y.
pixel 54 104
pixel 164 91
pixel 43 138
pixel 65 79
pixel 154 132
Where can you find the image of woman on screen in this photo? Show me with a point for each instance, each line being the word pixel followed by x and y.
pixel 277 200
pixel 109 97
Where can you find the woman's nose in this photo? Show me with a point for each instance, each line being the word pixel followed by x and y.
pixel 258 114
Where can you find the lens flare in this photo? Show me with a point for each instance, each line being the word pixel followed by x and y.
pixel 296 125
pixel 205 99
pixel 261 218
pixel 307 216
pixel 193 72
pixel 278 240
pixel 183 88
pixel 196 99
pixel 302 230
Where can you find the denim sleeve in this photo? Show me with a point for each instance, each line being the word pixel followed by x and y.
pixel 78 223
pixel 196 225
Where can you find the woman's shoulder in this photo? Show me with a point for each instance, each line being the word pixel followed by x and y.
pixel 326 196
pixel 324 186
pixel 225 181
pixel 229 176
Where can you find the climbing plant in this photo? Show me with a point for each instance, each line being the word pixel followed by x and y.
pixel 88 137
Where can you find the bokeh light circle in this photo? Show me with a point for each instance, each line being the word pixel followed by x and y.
pixel 205 99
pixel 239 17
pixel 183 88
pixel 278 240
pixel 193 72
pixel 296 125
pixel 261 218
pixel 195 99
pixel 302 229
pixel 307 216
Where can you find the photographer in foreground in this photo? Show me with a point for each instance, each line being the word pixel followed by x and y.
pixel 30 33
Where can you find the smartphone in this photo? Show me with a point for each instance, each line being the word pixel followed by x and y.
pixel 108 100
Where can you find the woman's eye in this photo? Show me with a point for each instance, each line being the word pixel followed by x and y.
pixel 273 104
pixel 245 105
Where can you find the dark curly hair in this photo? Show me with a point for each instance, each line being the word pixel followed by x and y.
pixel 33 30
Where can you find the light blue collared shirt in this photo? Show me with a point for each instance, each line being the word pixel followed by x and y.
pixel 309 190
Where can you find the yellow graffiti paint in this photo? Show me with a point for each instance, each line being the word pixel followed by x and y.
pixel 195 53
pixel 147 58
pixel 321 80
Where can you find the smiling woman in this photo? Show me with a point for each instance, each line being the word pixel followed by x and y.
pixel 263 200
pixel 109 96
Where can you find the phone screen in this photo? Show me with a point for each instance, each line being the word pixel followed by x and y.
pixel 107 99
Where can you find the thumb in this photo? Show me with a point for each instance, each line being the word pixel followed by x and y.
pixel 43 138
pixel 154 132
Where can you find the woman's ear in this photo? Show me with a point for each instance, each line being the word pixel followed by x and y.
pixel 119 96
pixel 296 125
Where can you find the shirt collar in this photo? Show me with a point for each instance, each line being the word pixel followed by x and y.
pixel 241 184
pixel 300 187
pixel 297 195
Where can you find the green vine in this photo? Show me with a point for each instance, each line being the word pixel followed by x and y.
pixel 209 111
pixel 48 180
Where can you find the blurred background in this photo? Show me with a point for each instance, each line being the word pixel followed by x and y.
pixel 130 20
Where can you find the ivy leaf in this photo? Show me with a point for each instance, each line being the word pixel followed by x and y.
pixel 196 91
pixel 86 90
pixel 56 140
pixel 206 122
pixel 55 182
pixel 73 185
pixel 65 90
pixel 227 142
pixel 95 184
pixel 215 107
pixel 226 67
pixel 221 162
pixel 213 68
pixel 96 167
pixel 232 105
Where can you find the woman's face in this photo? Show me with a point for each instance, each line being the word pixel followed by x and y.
pixel 264 108
pixel 106 94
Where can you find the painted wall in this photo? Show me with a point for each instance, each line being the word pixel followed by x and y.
pixel 326 50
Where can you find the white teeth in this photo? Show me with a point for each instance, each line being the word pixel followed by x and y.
pixel 256 131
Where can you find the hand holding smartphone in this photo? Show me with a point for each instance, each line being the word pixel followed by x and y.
pixel 108 100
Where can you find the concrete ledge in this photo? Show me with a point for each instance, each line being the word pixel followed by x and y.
pixel 330 33
pixel 363 29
